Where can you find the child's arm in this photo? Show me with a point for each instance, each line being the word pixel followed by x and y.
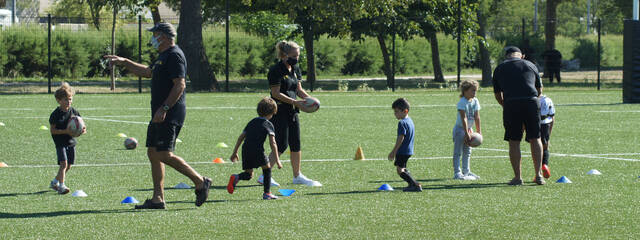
pixel 274 148
pixel 477 120
pixel 234 155
pixel 465 126
pixel 392 154
pixel 55 131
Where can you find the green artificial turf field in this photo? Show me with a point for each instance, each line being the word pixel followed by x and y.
pixel 593 130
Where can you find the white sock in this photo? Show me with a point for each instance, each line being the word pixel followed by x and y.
pixel 55 181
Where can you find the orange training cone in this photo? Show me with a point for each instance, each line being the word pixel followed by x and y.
pixel 359 154
pixel 218 160
pixel 2 164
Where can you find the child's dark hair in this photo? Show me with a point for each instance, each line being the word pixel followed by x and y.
pixel 267 106
pixel 400 103
pixel 64 91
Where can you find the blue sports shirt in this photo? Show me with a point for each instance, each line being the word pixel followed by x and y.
pixel 406 128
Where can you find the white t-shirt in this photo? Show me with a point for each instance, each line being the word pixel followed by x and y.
pixel 470 108
pixel 547 111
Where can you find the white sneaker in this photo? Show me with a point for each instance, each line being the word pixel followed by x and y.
pixel 301 179
pixel 473 175
pixel 458 176
pixel 62 189
pixel 273 182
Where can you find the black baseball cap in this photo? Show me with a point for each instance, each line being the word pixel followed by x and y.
pixel 165 28
pixel 511 49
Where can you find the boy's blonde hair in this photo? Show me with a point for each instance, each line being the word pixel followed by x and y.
pixel 267 106
pixel 64 91
pixel 466 85
pixel 283 48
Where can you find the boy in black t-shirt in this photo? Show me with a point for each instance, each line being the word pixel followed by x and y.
pixel 253 155
pixel 62 136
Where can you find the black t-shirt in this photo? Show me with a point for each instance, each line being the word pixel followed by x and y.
pixel 288 81
pixel 60 120
pixel 256 132
pixel 169 65
pixel 517 79
pixel 553 58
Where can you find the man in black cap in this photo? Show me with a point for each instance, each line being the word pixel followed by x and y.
pixel 168 111
pixel 516 85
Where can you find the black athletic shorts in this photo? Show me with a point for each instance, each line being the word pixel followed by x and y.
pixel 518 113
pixel 162 136
pixel 66 154
pixel 401 160
pixel 287 129
pixel 252 159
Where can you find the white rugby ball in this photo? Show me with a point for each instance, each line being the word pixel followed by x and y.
pixel 476 139
pixel 130 143
pixel 310 105
pixel 76 124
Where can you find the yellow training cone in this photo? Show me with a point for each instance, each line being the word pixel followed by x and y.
pixel 122 135
pixel 178 140
pixel 43 127
pixel 218 160
pixel 222 145
pixel 359 154
pixel 2 164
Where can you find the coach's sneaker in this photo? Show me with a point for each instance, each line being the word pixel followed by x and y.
pixel 54 185
pixel 539 180
pixel 472 175
pixel 413 188
pixel 545 171
pixel 148 204
pixel 301 179
pixel 62 189
pixel 273 182
pixel 515 182
pixel 233 180
pixel 203 193
pixel 268 196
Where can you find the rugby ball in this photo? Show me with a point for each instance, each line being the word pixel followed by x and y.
pixel 310 105
pixel 476 139
pixel 130 143
pixel 76 124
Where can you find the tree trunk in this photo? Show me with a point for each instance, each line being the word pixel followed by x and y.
pixel 155 13
pixel 485 58
pixel 435 57
pixel 307 32
pixel 113 48
pixel 94 9
pixel 190 38
pixel 550 29
pixel 387 59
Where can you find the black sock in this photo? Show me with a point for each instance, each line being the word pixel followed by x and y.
pixel 267 179
pixel 408 178
pixel 545 157
pixel 244 176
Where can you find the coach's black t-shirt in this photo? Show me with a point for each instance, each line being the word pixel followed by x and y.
pixel 517 79
pixel 169 65
pixel 60 119
pixel 256 132
pixel 288 81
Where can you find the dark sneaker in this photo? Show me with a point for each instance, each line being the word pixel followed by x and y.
pixel 233 180
pixel 148 204
pixel 268 196
pixel 414 188
pixel 515 182
pixel 203 193
pixel 545 171
pixel 539 180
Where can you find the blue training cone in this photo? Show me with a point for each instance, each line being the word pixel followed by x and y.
pixel 563 179
pixel 286 192
pixel 385 187
pixel 129 200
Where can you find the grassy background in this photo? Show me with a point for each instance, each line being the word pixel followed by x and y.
pixel 347 206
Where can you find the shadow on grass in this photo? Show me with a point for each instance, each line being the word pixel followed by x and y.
pixel 464 186
pixel 221 187
pixel 419 180
pixel 21 194
pixel 62 213
pixel 340 193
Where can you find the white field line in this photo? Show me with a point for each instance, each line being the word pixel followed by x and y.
pixel 115 116
pixel 628 111
pixel 197 163
pixel 112 120
pixel 593 156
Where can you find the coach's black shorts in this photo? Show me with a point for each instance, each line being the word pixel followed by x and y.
pixel 401 160
pixel 287 129
pixel 66 154
pixel 519 113
pixel 162 136
pixel 253 159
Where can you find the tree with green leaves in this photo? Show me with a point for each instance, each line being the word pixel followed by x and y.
pixel 190 38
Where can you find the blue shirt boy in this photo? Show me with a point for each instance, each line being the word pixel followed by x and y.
pixel 406 128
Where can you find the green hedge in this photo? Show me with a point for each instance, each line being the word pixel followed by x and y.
pixel 77 55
